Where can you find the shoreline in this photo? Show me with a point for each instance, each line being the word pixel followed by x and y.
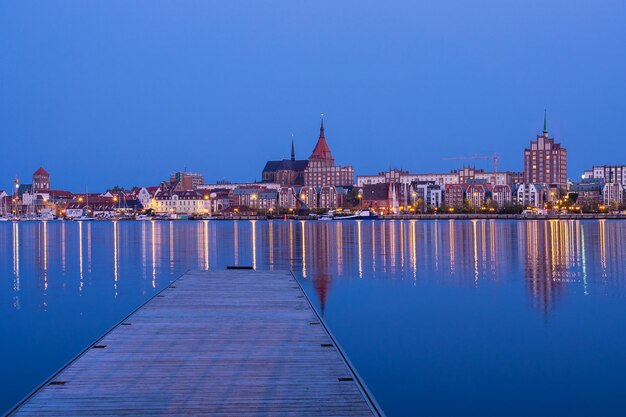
pixel 447 216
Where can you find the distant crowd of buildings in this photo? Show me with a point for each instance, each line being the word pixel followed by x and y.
pixel 317 184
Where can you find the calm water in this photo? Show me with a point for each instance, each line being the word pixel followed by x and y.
pixel 440 317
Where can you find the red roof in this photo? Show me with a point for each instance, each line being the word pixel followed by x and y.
pixel 321 151
pixel 41 171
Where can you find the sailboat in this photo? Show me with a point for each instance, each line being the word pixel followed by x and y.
pixel 85 216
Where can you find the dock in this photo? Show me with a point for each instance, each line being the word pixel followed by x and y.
pixel 213 343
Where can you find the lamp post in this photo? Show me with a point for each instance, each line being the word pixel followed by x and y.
pixel 253 200
pixel 360 197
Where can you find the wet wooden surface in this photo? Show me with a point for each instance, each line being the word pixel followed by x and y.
pixel 218 343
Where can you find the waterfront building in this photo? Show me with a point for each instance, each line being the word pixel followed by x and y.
pixel 223 185
pixel 41 180
pixel 478 194
pixel 286 172
pixel 545 161
pixel 255 198
pixel 188 180
pixel 588 193
pixel 321 170
pixel 218 199
pixel 457 176
pixel 455 195
pixel 376 197
pixel 502 195
pixel 426 194
pixel 287 198
pixel 533 195
pixel 144 194
pixel 168 201
pixel 613 194
pixel 608 173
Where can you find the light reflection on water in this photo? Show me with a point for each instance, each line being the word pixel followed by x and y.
pixel 64 283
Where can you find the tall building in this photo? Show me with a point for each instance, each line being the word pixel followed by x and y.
pixel 188 180
pixel 41 180
pixel 285 172
pixel 321 170
pixel 545 162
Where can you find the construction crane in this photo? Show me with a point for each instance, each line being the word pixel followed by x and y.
pixel 472 157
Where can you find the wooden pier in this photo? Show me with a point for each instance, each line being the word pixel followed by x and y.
pixel 218 343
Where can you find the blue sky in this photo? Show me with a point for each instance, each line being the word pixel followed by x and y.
pixel 117 92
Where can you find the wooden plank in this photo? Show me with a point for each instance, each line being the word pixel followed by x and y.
pixel 216 343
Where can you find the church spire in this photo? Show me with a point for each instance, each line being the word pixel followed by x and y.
pixel 545 122
pixel 293 150
pixel 322 127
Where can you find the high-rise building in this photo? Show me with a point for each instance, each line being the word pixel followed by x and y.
pixel 322 171
pixel 188 180
pixel 545 162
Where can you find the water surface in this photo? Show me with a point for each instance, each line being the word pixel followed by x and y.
pixel 441 318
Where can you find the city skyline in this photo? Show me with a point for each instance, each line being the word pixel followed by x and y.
pixel 473 160
pixel 97 94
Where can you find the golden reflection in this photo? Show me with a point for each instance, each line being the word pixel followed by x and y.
pixel 492 245
pixel 483 243
pixel 475 253
pixel 171 239
pixel 271 241
pixel 451 238
pixel 253 243
pixel 383 244
pixel 339 248
pixel 16 256
pixel 153 247
pixel 436 245
pixel 303 250
pixel 115 257
pixel 360 247
pixel 401 224
pixel 63 246
pixel 291 245
pixel 88 247
pixel 603 246
pixel 80 254
pixel 236 241
pixel 144 257
pixel 413 249
pixel 206 244
pixel 45 254
pixel 584 259
pixel 392 244
pixel 373 248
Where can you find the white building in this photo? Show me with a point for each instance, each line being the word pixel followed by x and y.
pixel 613 194
pixel 610 173
pixel 232 186
pixel 180 202
pixel 442 179
pixel 533 195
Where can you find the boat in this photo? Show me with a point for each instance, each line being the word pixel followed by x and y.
pixel 359 215
pixel 4 219
pixel 142 217
pixel 83 219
